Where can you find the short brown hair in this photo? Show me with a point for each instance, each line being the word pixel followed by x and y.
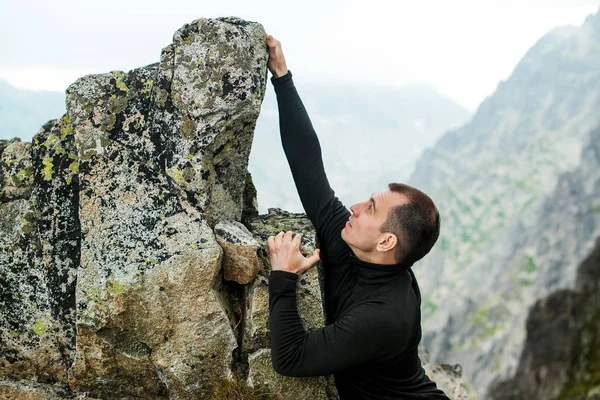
pixel 415 224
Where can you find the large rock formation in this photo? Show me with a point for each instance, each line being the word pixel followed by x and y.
pixel 133 263
pixel 111 273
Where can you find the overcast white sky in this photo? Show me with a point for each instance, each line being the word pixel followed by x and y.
pixel 463 48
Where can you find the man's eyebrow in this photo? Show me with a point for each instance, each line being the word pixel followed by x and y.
pixel 373 200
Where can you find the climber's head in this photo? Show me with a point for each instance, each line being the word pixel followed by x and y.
pixel 399 224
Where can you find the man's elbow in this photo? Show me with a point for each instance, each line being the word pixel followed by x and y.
pixel 291 373
pixel 281 368
pixel 285 368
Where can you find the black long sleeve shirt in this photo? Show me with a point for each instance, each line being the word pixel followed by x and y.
pixel 372 310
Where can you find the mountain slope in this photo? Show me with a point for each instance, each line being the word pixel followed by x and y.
pixel 489 180
pixel 561 352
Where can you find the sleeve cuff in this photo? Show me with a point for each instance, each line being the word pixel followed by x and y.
pixel 282 80
pixel 282 281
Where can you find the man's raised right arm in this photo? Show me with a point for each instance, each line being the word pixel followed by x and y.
pixel 302 148
pixel 303 152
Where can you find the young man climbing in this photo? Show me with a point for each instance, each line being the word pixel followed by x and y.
pixel 372 299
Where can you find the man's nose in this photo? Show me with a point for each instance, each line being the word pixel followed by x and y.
pixel 355 208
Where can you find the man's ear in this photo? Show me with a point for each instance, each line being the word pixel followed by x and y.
pixel 387 242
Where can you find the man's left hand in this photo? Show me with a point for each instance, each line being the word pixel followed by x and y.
pixel 284 253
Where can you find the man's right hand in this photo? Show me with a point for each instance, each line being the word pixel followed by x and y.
pixel 276 62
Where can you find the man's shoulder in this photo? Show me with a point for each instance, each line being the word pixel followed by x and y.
pixel 400 300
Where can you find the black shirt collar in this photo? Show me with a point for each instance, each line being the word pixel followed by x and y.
pixel 376 274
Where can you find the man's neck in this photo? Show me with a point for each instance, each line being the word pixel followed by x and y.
pixel 375 257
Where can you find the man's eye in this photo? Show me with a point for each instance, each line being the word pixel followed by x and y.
pixel 370 206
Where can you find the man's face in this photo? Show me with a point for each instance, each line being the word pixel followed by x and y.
pixel 361 232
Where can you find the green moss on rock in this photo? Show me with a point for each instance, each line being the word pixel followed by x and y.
pixel 117 104
pixel 119 81
pixel 47 171
pixel 40 328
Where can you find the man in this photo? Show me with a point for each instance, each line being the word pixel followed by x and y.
pixel 372 299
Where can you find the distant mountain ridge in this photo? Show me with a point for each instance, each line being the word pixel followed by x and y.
pixel 490 180
pixel 23 112
pixel 370 135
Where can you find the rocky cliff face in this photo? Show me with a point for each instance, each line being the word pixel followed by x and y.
pixel 515 223
pixel 561 356
pixel 132 259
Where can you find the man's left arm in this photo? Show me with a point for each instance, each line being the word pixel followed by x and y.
pixel 362 336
